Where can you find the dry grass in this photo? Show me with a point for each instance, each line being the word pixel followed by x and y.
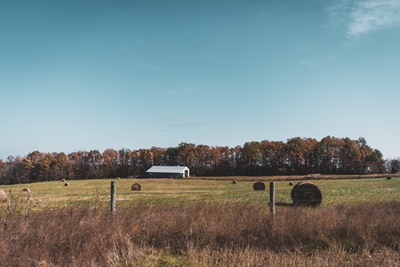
pixel 203 235
pixel 3 196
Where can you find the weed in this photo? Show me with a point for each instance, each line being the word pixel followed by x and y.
pixel 203 235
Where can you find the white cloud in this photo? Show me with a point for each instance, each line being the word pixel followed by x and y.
pixel 364 16
pixel 373 15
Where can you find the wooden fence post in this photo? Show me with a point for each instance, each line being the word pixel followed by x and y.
pixel 272 198
pixel 113 201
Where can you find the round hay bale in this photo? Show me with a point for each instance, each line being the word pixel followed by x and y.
pixel 258 186
pixel 3 196
pixel 234 182
pixel 63 180
pixel 290 183
pixel 136 187
pixel 306 194
pixel 66 184
pixel 26 190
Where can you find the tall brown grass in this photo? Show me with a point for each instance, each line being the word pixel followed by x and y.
pixel 202 235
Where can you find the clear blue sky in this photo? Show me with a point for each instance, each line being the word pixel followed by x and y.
pixel 82 75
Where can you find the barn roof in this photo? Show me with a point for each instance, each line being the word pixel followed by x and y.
pixel 168 169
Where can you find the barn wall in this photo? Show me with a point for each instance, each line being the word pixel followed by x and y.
pixel 165 175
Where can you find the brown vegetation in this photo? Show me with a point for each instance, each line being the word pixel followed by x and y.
pixel 211 235
pixel 3 196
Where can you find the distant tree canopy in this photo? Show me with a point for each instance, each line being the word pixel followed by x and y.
pixel 298 156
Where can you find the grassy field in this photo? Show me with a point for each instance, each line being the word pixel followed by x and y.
pixel 199 222
pixel 175 192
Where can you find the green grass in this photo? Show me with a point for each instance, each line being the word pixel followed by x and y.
pixel 175 192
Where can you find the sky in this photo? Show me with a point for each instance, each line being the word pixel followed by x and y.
pixel 85 75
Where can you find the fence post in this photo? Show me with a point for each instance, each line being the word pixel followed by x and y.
pixel 272 198
pixel 113 201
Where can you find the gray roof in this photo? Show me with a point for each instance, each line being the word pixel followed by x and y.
pixel 168 169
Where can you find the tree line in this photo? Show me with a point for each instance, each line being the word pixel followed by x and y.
pixel 297 156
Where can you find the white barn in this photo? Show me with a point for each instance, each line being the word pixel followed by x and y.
pixel 168 172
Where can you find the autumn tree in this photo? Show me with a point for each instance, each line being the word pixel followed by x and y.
pixel 110 163
pixel 273 157
pixel 328 153
pixel 350 157
pixel 171 156
pixel 158 156
pixel 59 166
pixel 394 166
pixel 186 155
pixel 13 171
pixel 224 160
pixel 251 160
pixel 203 164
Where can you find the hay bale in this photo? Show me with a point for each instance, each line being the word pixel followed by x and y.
pixel 63 180
pixel 234 182
pixel 3 196
pixel 66 184
pixel 306 194
pixel 26 190
pixel 258 186
pixel 290 183
pixel 136 187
